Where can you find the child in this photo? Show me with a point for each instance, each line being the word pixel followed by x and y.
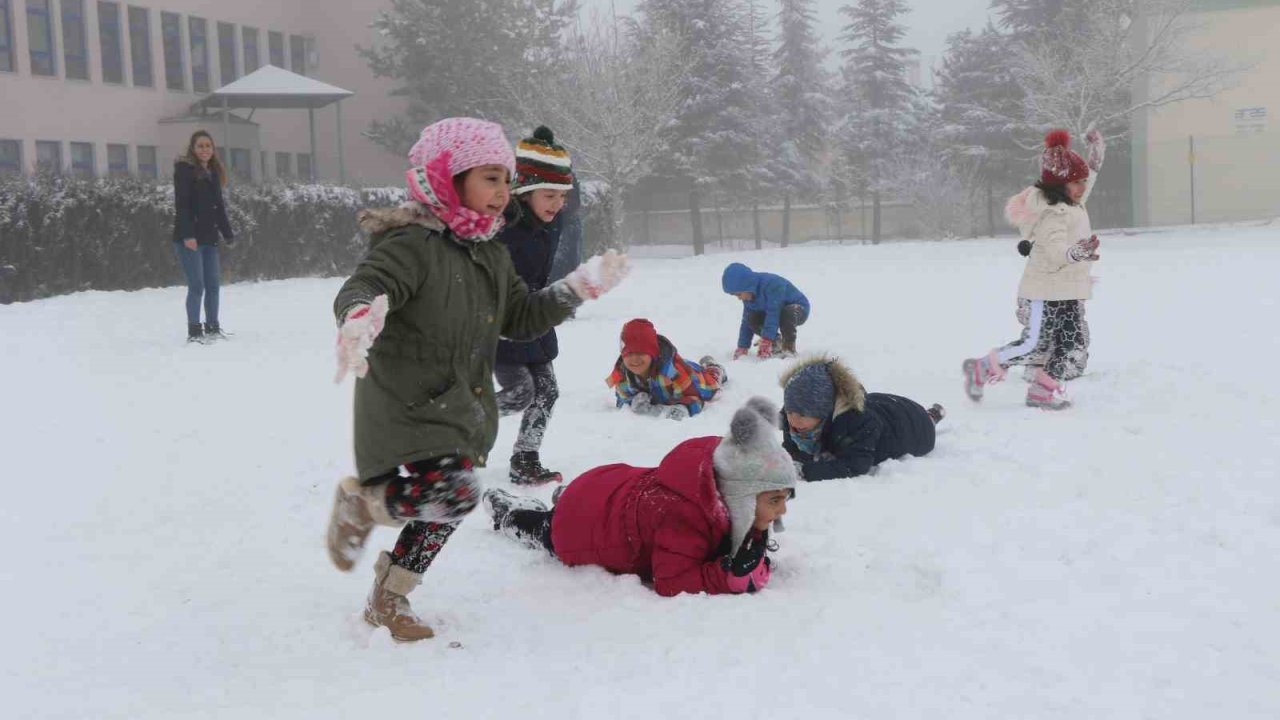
pixel 652 379
pixel 835 429
pixel 1051 216
pixel 544 177
pixel 699 522
pixel 419 324
pixel 771 305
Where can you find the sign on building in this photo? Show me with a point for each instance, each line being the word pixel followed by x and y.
pixel 1250 120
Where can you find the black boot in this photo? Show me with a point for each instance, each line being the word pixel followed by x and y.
pixel 936 413
pixel 213 331
pixel 195 333
pixel 526 469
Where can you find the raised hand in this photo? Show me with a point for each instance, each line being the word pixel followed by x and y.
pixel 1084 250
pixel 1096 149
pixel 356 336
pixel 598 275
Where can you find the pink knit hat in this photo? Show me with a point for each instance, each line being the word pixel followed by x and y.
pixel 445 149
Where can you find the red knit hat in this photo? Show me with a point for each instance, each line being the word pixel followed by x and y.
pixel 639 336
pixel 1060 164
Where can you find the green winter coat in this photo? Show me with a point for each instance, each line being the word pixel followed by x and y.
pixel 429 390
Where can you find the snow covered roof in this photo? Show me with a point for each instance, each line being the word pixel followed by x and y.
pixel 273 87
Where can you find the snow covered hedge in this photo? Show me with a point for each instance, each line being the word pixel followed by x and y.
pixel 61 234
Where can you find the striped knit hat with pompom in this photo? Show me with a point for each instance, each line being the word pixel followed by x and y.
pixel 541 163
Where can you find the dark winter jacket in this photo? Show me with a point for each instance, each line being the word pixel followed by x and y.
pixel 429 390
pixel 569 250
pixel 667 524
pixel 532 244
pixel 770 291
pixel 864 429
pixel 200 211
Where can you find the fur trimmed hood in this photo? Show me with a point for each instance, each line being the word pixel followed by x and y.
pixel 377 220
pixel 1026 208
pixel 850 394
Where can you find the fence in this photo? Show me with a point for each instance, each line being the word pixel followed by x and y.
pixel 1215 178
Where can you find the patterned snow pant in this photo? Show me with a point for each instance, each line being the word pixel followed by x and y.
pixel 791 317
pixel 529 388
pixel 1054 333
pixel 1077 360
pixel 433 496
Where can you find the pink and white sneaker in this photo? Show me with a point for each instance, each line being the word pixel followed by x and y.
pixel 979 372
pixel 1046 393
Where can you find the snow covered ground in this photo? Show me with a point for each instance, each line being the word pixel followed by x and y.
pixel 164 509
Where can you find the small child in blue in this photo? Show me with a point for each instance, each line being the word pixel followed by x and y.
pixel 771 307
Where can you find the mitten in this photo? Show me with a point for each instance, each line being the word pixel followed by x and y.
pixel 1084 250
pixel 642 404
pixel 1096 149
pixel 739 352
pixel 598 275
pixel 675 412
pixel 766 349
pixel 362 324
pixel 749 569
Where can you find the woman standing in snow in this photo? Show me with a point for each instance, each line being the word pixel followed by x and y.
pixel 1051 216
pixel 200 216
pixel 698 522
pixel 419 324
pixel 544 178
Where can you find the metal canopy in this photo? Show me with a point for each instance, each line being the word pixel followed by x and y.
pixel 273 88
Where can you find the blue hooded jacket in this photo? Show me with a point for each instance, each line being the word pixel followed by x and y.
pixel 771 292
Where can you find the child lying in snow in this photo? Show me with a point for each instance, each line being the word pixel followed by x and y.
pixel 652 378
pixel 698 522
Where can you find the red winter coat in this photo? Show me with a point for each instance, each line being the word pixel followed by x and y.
pixel 665 524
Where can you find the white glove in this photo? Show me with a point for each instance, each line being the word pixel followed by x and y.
pixel 1096 149
pixel 675 412
pixel 355 337
pixel 598 275
pixel 641 404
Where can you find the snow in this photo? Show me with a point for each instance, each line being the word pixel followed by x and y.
pixel 165 507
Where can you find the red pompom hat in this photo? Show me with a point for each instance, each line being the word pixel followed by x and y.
pixel 639 336
pixel 1060 164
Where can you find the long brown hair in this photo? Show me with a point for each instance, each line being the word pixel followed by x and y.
pixel 214 163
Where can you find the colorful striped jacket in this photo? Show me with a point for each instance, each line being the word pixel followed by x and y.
pixel 675 380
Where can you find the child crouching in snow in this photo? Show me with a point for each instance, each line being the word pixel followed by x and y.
pixel 419 324
pixel 771 307
pixel 651 378
pixel 1051 216
pixel 834 428
pixel 698 522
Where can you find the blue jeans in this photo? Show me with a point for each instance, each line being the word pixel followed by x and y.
pixel 203 280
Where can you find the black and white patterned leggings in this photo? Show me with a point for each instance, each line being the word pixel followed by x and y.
pixel 433 496
pixel 1077 359
pixel 1054 333
pixel 529 388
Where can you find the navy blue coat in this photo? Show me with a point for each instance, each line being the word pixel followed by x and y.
pixel 889 426
pixel 532 244
pixel 199 209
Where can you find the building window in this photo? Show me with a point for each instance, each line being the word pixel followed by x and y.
pixel 304 167
pixel 140 46
pixel 298 54
pixel 48 156
pixel 40 37
pixel 284 166
pixel 117 159
pixel 199 31
pixel 6 38
pixel 10 157
pixel 147 165
pixel 175 72
pixel 227 53
pixel 82 159
pixel 109 35
pixel 250 44
pixel 75 44
pixel 275 45
pixel 241 163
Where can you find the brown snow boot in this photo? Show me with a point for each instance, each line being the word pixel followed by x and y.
pixel 356 509
pixel 388 605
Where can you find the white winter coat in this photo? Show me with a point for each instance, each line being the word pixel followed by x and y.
pixel 1053 229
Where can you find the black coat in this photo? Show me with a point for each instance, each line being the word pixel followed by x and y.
pixel 888 426
pixel 532 244
pixel 201 212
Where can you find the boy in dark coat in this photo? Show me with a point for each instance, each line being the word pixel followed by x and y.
pixel 698 522
pixel 835 429
pixel 544 177
pixel 771 307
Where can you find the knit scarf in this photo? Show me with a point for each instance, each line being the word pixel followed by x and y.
pixel 808 441
pixel 432 185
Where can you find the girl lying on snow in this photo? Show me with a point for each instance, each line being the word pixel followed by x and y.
pixel 651 378
pixel 836 429
pixel 698 522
